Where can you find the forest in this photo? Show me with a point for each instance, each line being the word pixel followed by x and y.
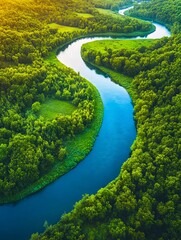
pixel 143 202
pixel 113 5
pixel 167 12
pixel 26 33
pixel 34 148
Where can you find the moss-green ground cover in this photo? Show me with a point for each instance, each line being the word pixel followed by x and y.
pixel 77 148
pixel 119 44
pixel 85 15
pixel 81 145
pixel 107 11
pixel 52 108
pixel 63 29
pixel 102 45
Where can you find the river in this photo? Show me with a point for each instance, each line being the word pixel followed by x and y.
pixel 111 149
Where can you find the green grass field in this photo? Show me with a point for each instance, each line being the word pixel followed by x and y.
pixel 118 44
pixel 62 28
pixel 108 12
pixel 85 15
pixel 52 108
pixel 77 148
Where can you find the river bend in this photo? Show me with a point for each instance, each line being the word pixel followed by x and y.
pixel 111 149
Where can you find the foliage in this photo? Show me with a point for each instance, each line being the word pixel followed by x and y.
pixel 31 30
pixel 143 202
pixel 167 12
pixel 53 107
pixel 113 5
pixel 32 144
pixel 24 91
pixel 121 55
pixel 75 150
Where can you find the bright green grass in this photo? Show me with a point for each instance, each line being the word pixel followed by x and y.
pixel 52 108
pixel 108 12
pixel 118 44
pixel 85 15
pixel 77 148
pixel 81 145
pixel 119 78
pixel 62 28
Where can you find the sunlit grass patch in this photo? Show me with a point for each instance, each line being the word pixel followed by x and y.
pixel 119 44
pixel 108 12
pixel 62 28
pixel 85 15
pixel 52 108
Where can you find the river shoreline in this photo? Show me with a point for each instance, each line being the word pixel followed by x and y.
pixel 46 205
pixel 47 179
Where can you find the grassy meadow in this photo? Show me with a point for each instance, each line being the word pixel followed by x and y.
pixel 52 108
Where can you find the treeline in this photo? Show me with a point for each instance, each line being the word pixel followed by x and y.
pixel 132 61
pixel 26 35
pixel 144 201
pixel 167 12
pixel 30 144
pixel 113 5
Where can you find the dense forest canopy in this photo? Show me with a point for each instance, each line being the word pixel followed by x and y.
pixel 143 202
pixel 30 79
pixel 168 12
pixel 113 5
pixel 31 144
pixel 26 33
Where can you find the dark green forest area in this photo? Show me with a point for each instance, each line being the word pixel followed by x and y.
pixel 35 150
pixel 143 202
pixel 167 12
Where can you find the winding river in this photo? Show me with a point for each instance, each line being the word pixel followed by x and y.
pixel 102 165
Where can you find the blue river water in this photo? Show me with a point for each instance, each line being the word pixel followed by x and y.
pixel 102 165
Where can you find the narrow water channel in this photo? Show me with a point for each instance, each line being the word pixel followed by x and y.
pixel 111 149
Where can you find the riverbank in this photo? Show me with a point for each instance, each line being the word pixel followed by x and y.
pixel 126 13
pixel 106 34
pixel 77 150
pixel 147 177
pixel 116 77
pixel 38 204
pixel 121 79
pixel 81 145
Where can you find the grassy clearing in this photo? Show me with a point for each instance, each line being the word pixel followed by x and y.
pixel 85 15
pixel 77 148
pixel 52 108
pixel 119 44
pixel 116 45
pixel 62 28
pixel 82 144
pixel 108 12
